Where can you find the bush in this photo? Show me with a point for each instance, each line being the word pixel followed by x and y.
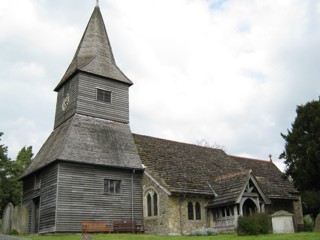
pixel 254 225
pixel 13 232
pixel 204 232
pixel 308 223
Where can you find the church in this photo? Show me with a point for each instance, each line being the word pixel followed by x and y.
pixel 93 168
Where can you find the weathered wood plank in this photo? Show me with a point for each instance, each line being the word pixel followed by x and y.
pixel 47 194
pixel 117 110
pixel 82 198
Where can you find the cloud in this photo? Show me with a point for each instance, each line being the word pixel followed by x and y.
pixel 230 72
pixel 221 76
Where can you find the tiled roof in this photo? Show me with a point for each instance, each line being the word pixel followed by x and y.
pixel 270 178
pixel 94 54
pixel 183 168
pixel 229 186
pixel 190 169
pixel 89 140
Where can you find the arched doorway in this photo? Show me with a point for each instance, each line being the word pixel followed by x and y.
pixel 249 207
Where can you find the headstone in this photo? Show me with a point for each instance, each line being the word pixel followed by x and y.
pixel 20 219
pixel 7 219
pixel 317 224
pixel 282 222
pixel 87 237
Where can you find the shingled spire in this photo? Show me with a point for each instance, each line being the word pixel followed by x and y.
pixel 94 54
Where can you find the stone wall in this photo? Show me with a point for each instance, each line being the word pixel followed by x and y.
pixel 172 218
pixel 189 225
pixel 155 224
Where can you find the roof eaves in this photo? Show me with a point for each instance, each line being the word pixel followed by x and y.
pixel 102 165
pixel 220 203
pixel 192 193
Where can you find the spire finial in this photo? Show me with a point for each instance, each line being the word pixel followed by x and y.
pixel 97 3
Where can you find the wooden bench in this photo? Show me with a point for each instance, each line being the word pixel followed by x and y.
pixel 96 227
pixel 127 226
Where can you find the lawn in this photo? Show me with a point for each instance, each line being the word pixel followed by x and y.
pixel 294 236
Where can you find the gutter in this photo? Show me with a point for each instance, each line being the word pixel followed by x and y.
pixel 132 191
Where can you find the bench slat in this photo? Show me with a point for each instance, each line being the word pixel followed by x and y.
pixel 127 226
pixel 96 226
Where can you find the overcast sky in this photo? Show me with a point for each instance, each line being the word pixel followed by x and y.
pixel 228 71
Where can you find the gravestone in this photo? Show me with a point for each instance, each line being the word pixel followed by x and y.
pixel 7 219
pixel 317 224
pixel 87 237
pixel 282 222
pixel 20 219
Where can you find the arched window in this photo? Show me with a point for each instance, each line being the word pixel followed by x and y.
pixel 155 204
pixel 198 211
pixel 151 203
pixel 149 206
pixel 190 211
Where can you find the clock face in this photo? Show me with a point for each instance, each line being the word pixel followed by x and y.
pixel 65 102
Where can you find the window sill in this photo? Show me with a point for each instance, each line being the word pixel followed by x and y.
pixel 151 217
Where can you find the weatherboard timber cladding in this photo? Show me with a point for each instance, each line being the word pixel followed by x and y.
pixel 81 195
pixel 83 99
pixel 28 195
pixel 60 115
pixel 48 199
pixel 47 194
pixel 117 110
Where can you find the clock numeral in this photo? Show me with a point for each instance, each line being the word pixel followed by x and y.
pixel 65 102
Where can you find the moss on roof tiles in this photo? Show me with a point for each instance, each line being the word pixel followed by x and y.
pixel 89 140
pixel 187 168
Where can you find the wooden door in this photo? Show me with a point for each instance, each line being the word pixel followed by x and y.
pixel 35 215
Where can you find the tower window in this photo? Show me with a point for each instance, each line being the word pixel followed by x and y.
pixel 112 186
pixel 103 95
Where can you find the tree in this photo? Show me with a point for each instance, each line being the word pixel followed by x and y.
pixel 302 151
pixel 204 143
pixel 5 173
pixel 23 160
pixel 10 171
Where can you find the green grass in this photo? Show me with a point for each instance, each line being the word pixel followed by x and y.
pixel 293 236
